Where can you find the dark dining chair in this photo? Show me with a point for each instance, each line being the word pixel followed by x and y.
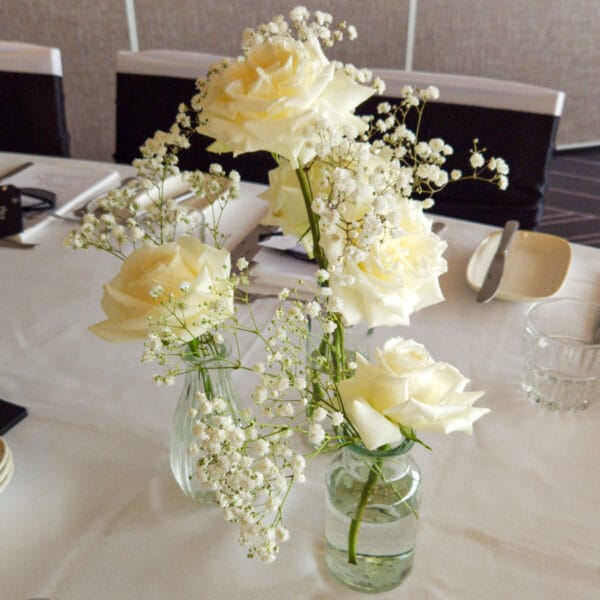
pixel 150 86
pixel 32 102
pixel 515 121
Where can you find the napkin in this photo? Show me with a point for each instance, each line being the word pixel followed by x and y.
pixel 174 187
pixel 273 269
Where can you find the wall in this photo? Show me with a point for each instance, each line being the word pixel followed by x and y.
pixel 544 42
pixel 550 43
pixel 88 33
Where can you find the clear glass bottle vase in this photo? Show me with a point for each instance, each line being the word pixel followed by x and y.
pixel 371 516
pixel 212 376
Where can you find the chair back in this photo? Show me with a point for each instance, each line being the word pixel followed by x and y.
pixel 32 103
pixel 150 86
pixel 515 121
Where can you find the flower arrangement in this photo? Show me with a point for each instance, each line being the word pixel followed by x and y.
pixel 353 190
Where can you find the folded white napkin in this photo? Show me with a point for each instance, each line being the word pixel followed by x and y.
pixel 273 270
pixel 172 187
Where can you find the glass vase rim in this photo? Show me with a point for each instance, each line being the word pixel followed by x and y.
pixel 223 351
pixel 402 448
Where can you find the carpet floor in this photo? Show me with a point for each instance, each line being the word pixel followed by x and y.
pixel 572 206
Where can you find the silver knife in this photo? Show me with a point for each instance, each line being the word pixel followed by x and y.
pixel 16 170
pixel 493 277
pixel 249 247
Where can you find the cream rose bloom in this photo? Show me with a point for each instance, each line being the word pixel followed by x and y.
pixel 405 386
pixel 128 299
pixel 270 99
pixel 286 203
pixel 287 208
pixel 398 275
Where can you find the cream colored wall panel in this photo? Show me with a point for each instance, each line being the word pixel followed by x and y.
pixel 216 26
pixel 88 33
pixel 543 42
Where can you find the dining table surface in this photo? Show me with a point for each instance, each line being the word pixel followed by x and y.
pixel 93 511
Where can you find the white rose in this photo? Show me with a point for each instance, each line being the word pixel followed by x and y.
pixel 398 276
pixel 405 386
pixel 128 299
pixel 284 195
pixel 269 99
pixel 353 193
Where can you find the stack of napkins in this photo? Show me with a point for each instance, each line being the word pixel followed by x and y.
pixel 7 465
pixel 274 268
pixel 174 187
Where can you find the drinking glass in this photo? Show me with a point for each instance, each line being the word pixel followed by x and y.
pixel 561 348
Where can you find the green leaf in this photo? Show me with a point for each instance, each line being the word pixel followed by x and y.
pixel 409 434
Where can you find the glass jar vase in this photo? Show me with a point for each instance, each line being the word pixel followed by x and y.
pixel 210 375
pixel 371 516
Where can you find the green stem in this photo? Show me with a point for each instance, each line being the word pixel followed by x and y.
pixel 338 350
pixel 194 346
pixel 307 195
pixel 360 509
pixel 207 383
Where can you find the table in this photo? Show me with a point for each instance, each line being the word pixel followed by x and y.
pixel 93 511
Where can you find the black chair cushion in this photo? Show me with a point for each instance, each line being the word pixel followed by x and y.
pixel 146 103
pixel 525 140
pixel 32 114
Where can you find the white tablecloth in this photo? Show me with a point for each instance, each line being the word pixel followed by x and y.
pixel 93 511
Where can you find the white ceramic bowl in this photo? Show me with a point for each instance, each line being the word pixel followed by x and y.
pixel 536 265
pixel 7 466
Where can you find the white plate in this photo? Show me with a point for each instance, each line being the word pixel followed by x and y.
pixel 536 265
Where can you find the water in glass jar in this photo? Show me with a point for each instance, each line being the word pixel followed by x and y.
pixel 385 546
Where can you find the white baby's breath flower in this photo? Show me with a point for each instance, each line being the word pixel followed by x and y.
pixel 313 309
pixel 501 166
pixel 477 160
pixel 322 275
pixel 316 433
pixel 262 447
pixel 282 534
pixel 320 414
pixel 337 418
pixel 329 326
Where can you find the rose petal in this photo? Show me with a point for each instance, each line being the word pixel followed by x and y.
pixel 374 429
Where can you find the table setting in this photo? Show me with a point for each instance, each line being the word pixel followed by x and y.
pixel 320 373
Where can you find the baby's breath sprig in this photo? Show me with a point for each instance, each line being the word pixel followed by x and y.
pixel 118 223
pixel 390 134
